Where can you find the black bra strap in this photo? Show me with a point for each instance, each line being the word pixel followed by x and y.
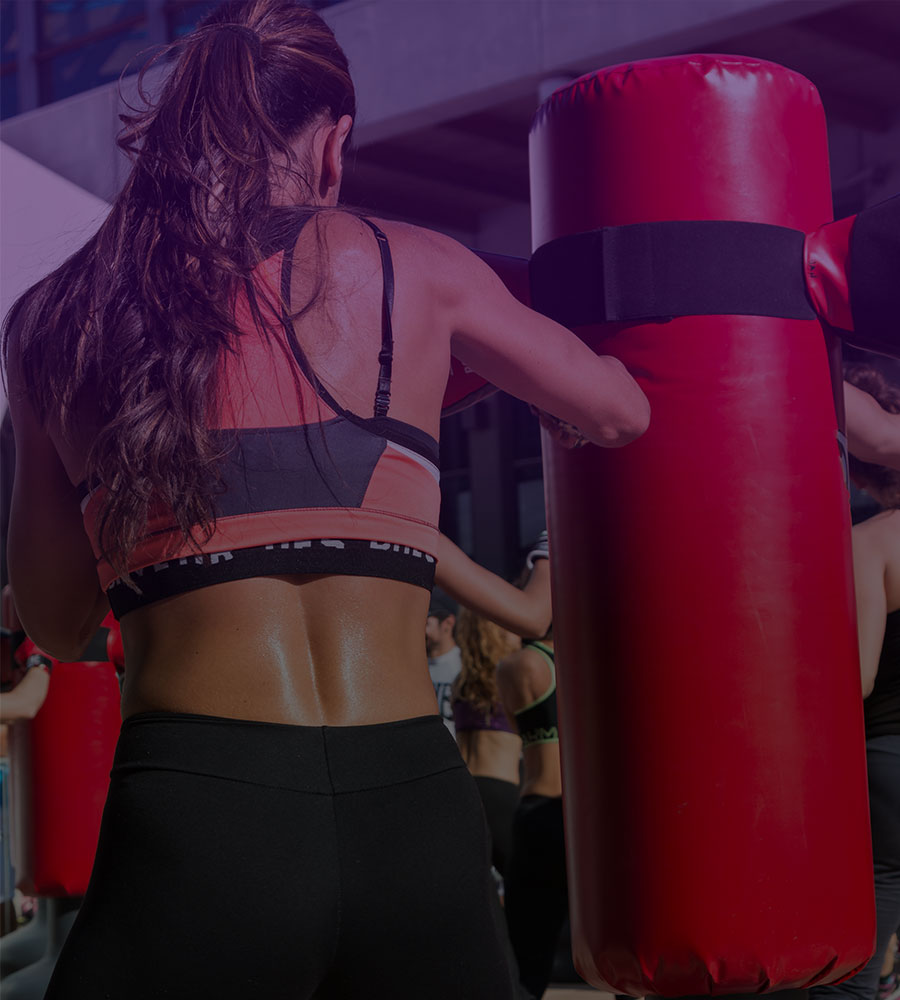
pixel 386 354
pixel 404 434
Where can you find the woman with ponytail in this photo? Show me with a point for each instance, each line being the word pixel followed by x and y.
pixel 226 407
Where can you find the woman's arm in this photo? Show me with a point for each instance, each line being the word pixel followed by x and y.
pixel 51 564
pixel 871 599
pixel 532 357
pixel 873 434
pixel 526 612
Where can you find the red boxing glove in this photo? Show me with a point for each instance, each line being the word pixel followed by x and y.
pixel 851 268
pixel 825 256
pixel 115 650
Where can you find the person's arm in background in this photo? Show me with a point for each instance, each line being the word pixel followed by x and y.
pixel 526 612
pixel 873 434
pixel 27 697
pixel 871 599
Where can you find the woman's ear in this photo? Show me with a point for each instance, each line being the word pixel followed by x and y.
pixel 332 165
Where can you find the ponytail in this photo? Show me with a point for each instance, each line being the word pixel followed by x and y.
pixel 141 316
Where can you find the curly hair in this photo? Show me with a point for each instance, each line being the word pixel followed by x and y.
pixel 878 480
pixel 482 644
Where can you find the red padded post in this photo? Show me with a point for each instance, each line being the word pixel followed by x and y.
pixel 711 723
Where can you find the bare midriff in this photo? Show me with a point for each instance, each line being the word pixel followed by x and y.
pixel 490 754
pixel 298 650
pixel 541 770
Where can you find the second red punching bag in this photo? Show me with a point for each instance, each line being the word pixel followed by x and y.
pixel 62 760
pixel 710 706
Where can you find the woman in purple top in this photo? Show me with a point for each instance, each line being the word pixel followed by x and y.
pixel 488 743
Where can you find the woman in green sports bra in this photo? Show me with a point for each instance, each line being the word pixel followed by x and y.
pixel 536 720
pixel 537 896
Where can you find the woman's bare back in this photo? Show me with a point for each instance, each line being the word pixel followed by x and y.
pixel 303 649
pixel 333 650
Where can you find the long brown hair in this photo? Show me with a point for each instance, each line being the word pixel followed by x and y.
pixel 482 645
pixel 878 480
pixel 137 320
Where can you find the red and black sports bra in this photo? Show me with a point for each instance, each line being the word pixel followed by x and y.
pixel 310 487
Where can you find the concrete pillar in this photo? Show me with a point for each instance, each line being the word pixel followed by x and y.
pixel 494 509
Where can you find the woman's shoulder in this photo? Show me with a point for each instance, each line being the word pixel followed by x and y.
pixel 434 253
pixel 876 551
pixel 341 223
pixel 408 233
pixel 876 545
pixel 883 525
pixel 527 664
pixel 436 257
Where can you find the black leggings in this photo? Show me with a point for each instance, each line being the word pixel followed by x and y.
pixel 537 893
pixel 500 799
pixel 367 843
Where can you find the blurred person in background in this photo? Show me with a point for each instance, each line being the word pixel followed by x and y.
pixel 523 689
pixel 537 895
pixel 486 739
pixel 876 569
pixel 873 433
pixel 444 662
pixel 25 691
pixel 889 980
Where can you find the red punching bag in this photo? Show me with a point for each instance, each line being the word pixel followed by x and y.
pixel 61 764
pixel 710 706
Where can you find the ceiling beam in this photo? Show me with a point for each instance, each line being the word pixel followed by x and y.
pixel 846 26
pixel 855 111
pixel 382 193
pixel 485 125
pixel 504 184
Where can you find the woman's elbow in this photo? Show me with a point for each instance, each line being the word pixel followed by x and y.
pixel 636 422
pixel 629 416
pixel 539 628
pixel 627 424
pixel 867 674
pixel 534 621
pixel 27 712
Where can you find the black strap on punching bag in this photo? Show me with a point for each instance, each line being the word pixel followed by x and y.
pixel 658 270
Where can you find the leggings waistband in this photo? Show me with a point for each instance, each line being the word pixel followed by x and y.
pixel 316 759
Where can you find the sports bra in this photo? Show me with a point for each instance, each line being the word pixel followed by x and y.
pixel 309 486
pixel 467 717
pixel 537 722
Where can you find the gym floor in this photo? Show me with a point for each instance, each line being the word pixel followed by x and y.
pixel 569 992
